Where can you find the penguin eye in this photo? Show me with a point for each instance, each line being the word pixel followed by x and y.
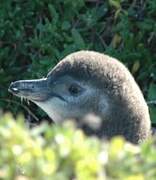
pixel 74 89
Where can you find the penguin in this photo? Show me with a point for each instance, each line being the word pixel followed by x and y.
pixel 95 90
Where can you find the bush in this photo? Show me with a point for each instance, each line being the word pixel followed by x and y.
pixel 61 153
pixel 35 35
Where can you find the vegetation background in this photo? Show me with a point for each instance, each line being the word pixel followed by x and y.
pixel 35 35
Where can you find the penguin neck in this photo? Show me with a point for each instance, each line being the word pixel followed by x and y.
pixel 133 127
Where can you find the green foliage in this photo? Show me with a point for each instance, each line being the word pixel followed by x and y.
pixel 61 153
pixel 151 96
pixel 35 35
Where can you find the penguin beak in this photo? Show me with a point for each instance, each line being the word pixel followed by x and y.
pixel 34 90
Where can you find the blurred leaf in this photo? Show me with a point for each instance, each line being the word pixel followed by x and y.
pixel 152 97
pixel 152 92
pixel 135 67
pixel 66 25
pixel 153 114
pixel 136 177
pixel 116 40
pixel 78 39
pixel 115 3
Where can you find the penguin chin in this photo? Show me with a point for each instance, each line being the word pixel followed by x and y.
pixel 55 108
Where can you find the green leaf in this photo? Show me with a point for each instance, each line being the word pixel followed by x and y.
pixel 78 39
pixel 152 92
pixel 152 97
pixel 115 3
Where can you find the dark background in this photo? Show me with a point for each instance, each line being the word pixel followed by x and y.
pixel 35 35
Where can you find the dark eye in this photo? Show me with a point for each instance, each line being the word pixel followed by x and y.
pixel 74 89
